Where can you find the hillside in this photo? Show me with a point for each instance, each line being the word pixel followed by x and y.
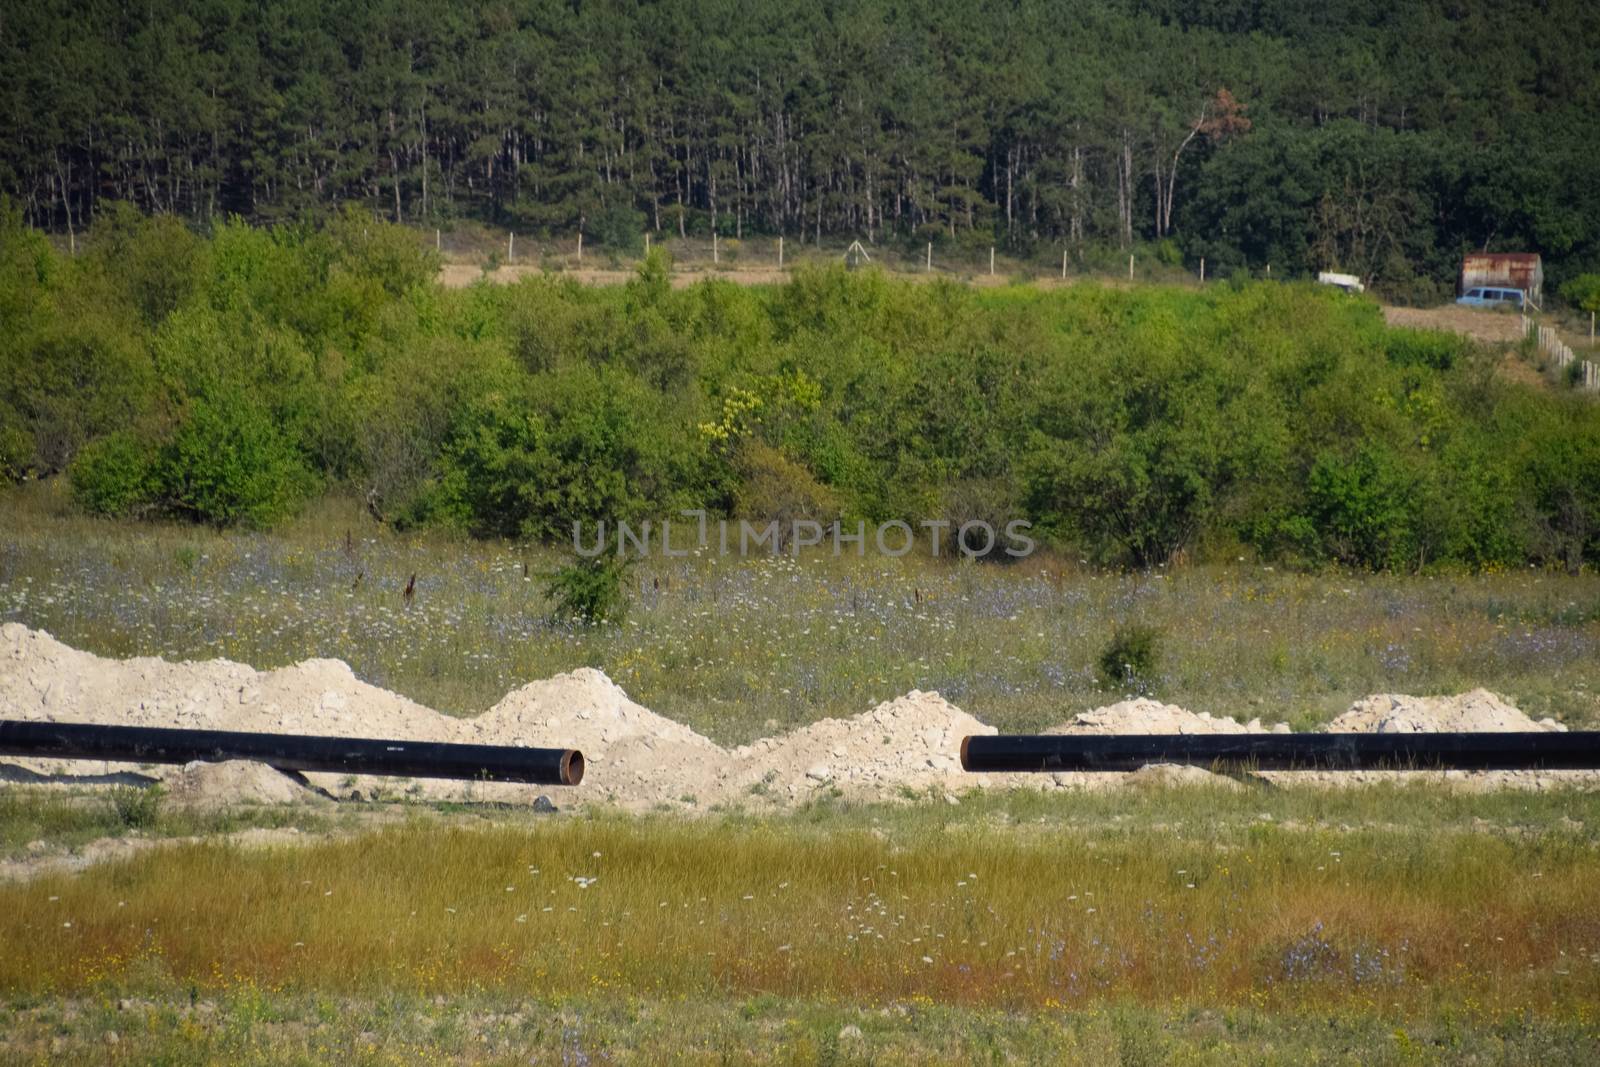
pixel 1381 139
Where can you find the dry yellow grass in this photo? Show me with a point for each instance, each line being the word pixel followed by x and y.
pixel 1191 902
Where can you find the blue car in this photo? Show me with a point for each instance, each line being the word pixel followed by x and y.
pixel 1492 298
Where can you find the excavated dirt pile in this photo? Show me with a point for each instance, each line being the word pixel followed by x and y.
pixel 1478 711
pixel 904 748
pixel 1145 716
pixel 634 757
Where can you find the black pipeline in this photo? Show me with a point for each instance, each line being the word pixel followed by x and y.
pixel 1286 752
pixel 293 752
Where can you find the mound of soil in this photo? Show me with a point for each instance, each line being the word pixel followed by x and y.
pixel 904 748
pixel 215 785
pixel 1477 711
pixel 1144 716
pixel 635 757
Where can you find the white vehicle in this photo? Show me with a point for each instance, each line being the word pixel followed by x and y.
pixel 1348 282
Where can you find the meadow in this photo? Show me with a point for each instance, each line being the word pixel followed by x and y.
pixel 1199 925
pixel 741 649
pixel 1384 925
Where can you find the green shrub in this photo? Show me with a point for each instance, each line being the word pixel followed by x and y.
pixel 773 486
pixel 390 256
pixel 1562 478
pixel 591 591
pixel 1129 662
pixel 1362 506
pixel 16 452
pixel 587 445
pixel 154 260
pixel 115 475
pixel 1582 292
pixel 1137 452
pixel 85 373
pixel 136 807
pixel 1423 348
pixel 652 283
pixel 619 228
pixel 228 464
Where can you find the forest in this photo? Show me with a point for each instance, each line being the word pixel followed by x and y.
pixel 227 379
pixel 1378 138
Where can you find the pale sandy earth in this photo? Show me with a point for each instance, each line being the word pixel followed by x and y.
pixel 461 275
pixel 1480 324
pixel 905 748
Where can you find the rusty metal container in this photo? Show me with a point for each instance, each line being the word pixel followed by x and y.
pixel 1507 270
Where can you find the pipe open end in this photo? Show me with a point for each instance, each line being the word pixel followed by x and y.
pixel 571 767
pixel 964 765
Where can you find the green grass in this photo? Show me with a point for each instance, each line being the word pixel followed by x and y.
pixel 252 1028
pixel 743 648
pixel 57 821
pixel 1198 895
pixel 1388 925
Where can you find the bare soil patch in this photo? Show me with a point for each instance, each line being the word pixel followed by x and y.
pixel 1480 324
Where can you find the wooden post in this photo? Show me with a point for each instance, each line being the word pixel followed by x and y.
pixel 647 242
pixel 580 248
pixel 780 252
pixel 930 255
pixel 1063 264
pixel 714 247
pixel 1202 270
pixel 991 261
pixel 1130 266
pixel 511 247
pixel 1591 328
pixel 438 241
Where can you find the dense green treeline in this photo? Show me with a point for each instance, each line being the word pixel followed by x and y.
pixel 1380 138
pixel 224 380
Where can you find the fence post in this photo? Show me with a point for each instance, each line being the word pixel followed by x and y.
pixel 1130 266
pixel 780 252
pixel 511 247
pixel 1063 264
pixel 714 258
pixel 991 261
pixel 438 241
pixel 580 248
pixel 647 242
pixel 930 256
pixel 1202 270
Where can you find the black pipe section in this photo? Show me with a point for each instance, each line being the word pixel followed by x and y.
pixel 1286 752
pixel 293 752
